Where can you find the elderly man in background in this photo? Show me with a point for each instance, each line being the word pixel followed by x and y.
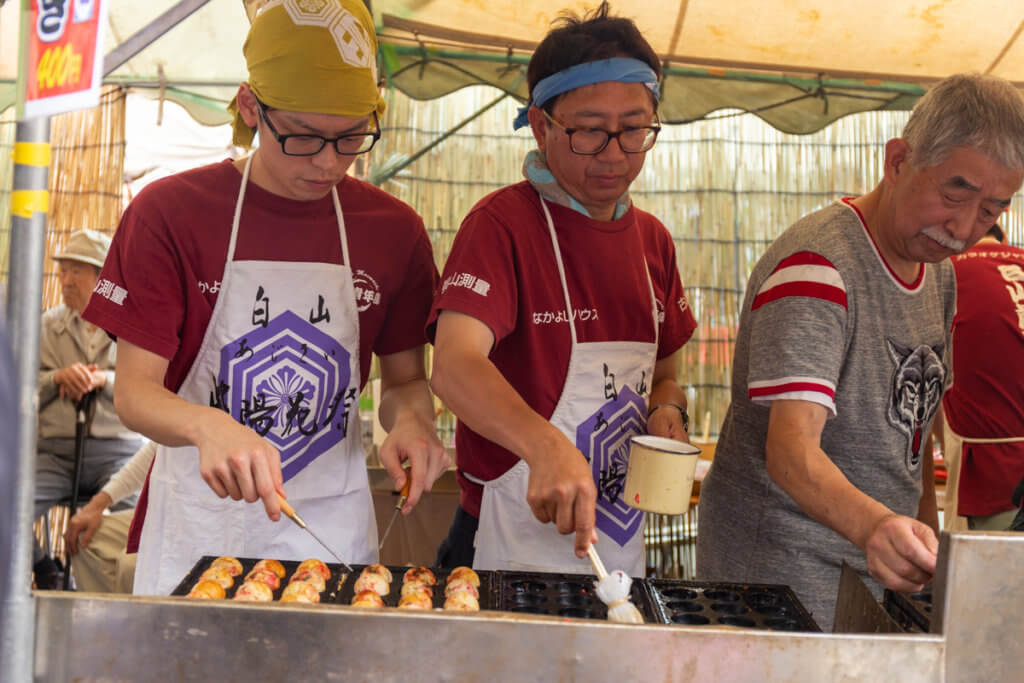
pixel 76 358
pixel 843 354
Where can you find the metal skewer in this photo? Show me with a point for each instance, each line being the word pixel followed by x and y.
pixel 290 512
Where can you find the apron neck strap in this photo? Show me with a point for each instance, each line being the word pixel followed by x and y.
pixel 238 216
pixel 565 282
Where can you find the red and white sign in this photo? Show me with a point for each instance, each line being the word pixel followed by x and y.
pixel 62 60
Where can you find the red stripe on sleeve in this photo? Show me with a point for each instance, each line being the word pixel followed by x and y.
pixel 803 258
pixel 791 387
pixel 814 290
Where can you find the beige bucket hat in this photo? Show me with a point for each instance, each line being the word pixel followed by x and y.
pixel 87 246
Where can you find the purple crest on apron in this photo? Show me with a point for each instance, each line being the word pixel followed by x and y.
pixel 604 439
pixel 289 382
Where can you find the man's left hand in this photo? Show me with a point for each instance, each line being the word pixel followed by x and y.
pixel 667 421
pixel 412 440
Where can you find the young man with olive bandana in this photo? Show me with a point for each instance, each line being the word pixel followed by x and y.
pixel 249 297
pixel 560 318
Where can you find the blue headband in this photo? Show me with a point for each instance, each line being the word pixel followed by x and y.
pixel 621 69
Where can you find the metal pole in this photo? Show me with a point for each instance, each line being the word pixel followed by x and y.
pixel 391 172
pixel 29 206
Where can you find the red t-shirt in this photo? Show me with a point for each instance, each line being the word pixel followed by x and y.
pixel 169 252
pixel 987 397
pixel 502 271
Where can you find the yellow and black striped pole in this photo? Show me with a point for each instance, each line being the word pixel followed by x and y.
pixel 30 200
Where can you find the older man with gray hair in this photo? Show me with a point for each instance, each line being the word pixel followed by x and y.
pixel 843 354
pixel 75 359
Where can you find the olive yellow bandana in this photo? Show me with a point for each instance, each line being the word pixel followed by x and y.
pixel 311 56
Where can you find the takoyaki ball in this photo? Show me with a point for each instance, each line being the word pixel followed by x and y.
pixel 463 602
pixel 464 573
pixel 300 591
pixel 372 582
pixel 207 590
pixel 266 576
pixel 315 565
pixel 415 601
pixel 367 599
pixel 311 577
pixel 219 575
pixel 232 564
pixel 254 591
pixel 420 575
pixel 378 569
pixel 409 588
pixel 461 586
pixel 272 565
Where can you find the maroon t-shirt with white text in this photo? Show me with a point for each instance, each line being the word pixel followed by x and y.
pixel 987 396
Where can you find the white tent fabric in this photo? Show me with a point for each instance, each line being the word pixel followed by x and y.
pixel 872 42
pixel 161 141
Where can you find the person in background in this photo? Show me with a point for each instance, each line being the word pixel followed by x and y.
pixel 842 356
pixel 558 327
pixel 76 358
pixel 97 538
pixel 249 297
pixel 984 409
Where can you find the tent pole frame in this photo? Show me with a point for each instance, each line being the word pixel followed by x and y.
pixel 392 172
pixel 149 33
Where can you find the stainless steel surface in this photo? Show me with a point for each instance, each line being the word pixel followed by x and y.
pixel 24 303
pixel 179 639
pixel 857 611
pixel 979 605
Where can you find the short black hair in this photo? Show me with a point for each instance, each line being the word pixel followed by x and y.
pixel 577 40
pixel 997 232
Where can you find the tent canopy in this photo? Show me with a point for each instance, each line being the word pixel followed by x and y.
pixel 799 64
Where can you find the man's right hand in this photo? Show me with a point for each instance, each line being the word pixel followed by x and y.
pixel 75 380
pixel 562 491
pixel 901 553
pixel 85 522
pixel 236 461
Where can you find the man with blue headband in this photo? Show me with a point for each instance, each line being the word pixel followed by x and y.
pixel 249 297
pixel 560 318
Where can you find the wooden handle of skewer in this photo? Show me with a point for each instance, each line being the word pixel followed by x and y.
pixel 403 495
pixel 288 510
pixel 595 560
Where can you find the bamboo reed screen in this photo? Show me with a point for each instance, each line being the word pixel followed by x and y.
pixel 86 170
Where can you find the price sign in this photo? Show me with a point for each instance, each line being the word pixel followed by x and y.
pixel 62 59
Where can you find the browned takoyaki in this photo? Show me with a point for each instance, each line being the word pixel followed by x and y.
pixel 207 590
pixel 254 591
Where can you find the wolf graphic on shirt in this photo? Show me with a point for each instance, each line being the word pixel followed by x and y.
pixel 917 382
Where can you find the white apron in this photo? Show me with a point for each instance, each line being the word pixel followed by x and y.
pixel 953 447
pixel 281 355
pixel 603 403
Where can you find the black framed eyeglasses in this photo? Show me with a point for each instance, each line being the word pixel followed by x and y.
pixel 591 141
pixel 307 145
